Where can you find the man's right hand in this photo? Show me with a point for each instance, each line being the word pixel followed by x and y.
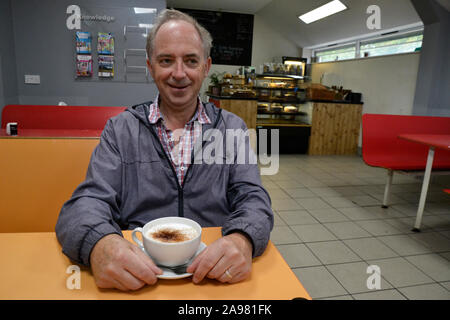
pixel 117 263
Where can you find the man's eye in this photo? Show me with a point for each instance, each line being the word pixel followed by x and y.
pixel 165 62
pixel 192 62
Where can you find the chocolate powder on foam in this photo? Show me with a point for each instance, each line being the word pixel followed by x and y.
pixel 170 235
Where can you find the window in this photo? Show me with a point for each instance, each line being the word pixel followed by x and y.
pixel 336 54
pixel 393 45
pixel 409 41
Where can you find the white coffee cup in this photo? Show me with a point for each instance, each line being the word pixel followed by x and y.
pixel 169 253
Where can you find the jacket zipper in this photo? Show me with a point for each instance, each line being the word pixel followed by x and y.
pixel 180 188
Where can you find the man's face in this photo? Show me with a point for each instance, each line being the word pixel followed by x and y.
pixel 178 64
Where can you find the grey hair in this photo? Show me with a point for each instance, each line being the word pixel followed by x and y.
pixel 172 14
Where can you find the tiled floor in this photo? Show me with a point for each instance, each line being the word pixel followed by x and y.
pixel 330 228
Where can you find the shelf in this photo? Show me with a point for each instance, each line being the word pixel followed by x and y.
pixel 275 75
pixel 289 89
pixel 274 124
pixel 295 101
pixel 283 113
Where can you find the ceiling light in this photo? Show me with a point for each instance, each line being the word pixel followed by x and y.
pixel 144 10
pixel 326 10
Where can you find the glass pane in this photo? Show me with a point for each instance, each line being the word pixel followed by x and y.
pixel 336 54
pixel 391 46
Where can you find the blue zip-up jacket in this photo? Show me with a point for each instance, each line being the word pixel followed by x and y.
pixel 131 181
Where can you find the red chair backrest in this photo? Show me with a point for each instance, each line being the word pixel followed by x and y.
pixel 59 117
pixel 380 137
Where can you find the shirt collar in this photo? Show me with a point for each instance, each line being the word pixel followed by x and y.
pixel 200 115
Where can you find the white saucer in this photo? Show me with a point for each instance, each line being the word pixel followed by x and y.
pixel 169 274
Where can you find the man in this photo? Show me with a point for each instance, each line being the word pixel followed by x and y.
pixel 142 170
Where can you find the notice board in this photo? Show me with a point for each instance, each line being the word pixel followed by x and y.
pixel 232 35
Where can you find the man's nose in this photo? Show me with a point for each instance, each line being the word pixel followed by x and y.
pixel 179 70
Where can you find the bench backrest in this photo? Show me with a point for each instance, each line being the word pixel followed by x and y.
pixel 58 117
pixel 36 177
pixel 382 147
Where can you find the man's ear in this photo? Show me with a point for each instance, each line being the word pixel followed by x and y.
pixel 149 66
pixel 208 66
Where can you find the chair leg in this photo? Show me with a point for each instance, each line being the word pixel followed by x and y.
pixel 387 188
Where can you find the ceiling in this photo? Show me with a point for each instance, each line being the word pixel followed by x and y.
pixel 282 16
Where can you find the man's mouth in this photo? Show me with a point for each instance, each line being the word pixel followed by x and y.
pixel 178 86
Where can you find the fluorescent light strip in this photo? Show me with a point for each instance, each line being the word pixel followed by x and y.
pixel 144 10
pixel 326 10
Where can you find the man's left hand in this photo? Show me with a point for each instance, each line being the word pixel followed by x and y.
pixel 228 259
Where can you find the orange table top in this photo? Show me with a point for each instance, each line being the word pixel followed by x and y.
pixel 33 267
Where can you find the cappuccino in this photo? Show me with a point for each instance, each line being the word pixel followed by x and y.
pixel 172 232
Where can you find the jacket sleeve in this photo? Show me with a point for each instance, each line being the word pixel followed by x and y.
pixel 250 204
pixel 93 209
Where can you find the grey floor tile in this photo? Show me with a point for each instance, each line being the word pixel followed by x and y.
pixel 339 202
pixel 327 215
pixel 433 265
pixel 346 297
pixel 331 252
pixel 346 230
pixel 391 294
pixel 319 282
pixel 277 221
pixel 298 255
pixel 404 245
pixel 409 209
pixel 353 276
pixel 378 227
pixel 313 203
pixel 363 200
pixel 300 193
pixel 297 217
pixel 405 225
pixel 426 292
pixel 438 208
pixel 357 213
pixel 446 255
pixel 283 235
pixel 285 204
pixel 289 184
pixel 433 240
pixel 313 233
pixel 400 273
pixel 325 192
pixel 276 194
pixel 446 285
pixel 384 213
pixel 349 191
pixel 370 248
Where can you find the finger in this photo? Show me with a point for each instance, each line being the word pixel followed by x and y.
pixel 224 277
pixel 147 261
pixel 194 264
pixel 129 281
pixel 207 262
pixel 141 271
pixel 218 270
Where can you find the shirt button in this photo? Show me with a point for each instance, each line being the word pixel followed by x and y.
pixel 182 168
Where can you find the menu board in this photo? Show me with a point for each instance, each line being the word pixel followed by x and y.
pixel 232 35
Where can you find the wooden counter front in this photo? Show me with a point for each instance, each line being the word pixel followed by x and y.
pixel 335 128
pixel 246 109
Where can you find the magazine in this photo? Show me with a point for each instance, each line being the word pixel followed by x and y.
pixel 105 66
pixel 105 43
pixel 84 65
pixel 84 42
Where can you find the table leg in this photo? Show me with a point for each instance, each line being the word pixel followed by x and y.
pixel 423 193
pixel 387 188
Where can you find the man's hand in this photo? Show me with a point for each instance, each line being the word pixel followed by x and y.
pixel 228 259
pixel 117 263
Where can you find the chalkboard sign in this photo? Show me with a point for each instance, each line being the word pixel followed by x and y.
pixel 232 35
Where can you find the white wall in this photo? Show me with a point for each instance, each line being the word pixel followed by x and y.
pixel 268 46
pixel 387 83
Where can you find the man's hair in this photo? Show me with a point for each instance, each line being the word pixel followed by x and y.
pixel 171 14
